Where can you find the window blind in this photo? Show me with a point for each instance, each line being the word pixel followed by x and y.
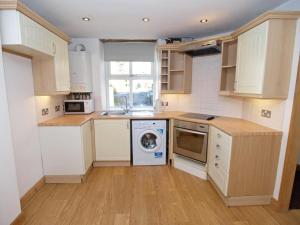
pixel 129 51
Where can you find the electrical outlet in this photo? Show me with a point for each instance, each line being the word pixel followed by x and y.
pixel 266 113
pixel 45 111
pixel 57 108
pixel 164 103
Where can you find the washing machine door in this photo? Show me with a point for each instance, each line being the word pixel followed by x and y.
pixel 150 140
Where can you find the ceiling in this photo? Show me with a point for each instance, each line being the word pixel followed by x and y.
pixel 168 18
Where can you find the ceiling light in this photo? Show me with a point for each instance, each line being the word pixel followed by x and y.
pixel 204 21
pixel 146 19
pixel 86 18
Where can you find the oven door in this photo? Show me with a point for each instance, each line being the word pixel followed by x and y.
pixel 192 144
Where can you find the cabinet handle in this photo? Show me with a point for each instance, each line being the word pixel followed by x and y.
pixel 218 146
pixel 217 157
pixel 216 165
pixel 53 48
pixel 219 135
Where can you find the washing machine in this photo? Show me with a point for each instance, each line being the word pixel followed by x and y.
pixel 149 142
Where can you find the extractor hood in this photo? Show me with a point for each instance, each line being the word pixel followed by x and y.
pixel 201 48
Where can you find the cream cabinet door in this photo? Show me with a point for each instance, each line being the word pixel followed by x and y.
pixel 251 60
pixel 112 140
pixel 35 36
pixel 61 64
pixel 87 144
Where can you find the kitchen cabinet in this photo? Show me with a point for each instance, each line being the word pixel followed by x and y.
pixel 112 139
pixel 243 168
pixel 21 34
pixel 176 72
pixel 67 152
pixel 51 74
pixel 264 57
pixel 228 70
pixel 49 52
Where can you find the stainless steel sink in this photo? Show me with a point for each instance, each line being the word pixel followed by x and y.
pixel 122 113
pixel 113 113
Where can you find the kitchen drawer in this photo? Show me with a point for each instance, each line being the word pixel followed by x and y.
pixel 219 177
pixel 220 137
pixel 221 155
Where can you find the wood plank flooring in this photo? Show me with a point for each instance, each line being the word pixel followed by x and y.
pixel 159 195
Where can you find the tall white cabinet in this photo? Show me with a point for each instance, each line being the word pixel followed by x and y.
pixel 264 57
pixel 112 140
pixel 251 60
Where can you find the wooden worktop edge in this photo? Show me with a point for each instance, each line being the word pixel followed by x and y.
pixel 264 130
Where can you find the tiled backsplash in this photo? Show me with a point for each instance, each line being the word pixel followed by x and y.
pixel 50 103
pixel 205 96
pixel 252 111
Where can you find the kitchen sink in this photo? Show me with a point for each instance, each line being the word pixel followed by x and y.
pixel 122 113
pixel 113 113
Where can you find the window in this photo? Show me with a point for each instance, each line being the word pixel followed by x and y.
pixel 131 80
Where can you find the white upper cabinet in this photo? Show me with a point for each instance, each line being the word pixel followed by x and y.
pixel 49 52
pixel 21 34
pixel 251 60
pixel 264 58
pixel 61 64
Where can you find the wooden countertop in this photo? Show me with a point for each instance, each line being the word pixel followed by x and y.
pixel 231 126
pixel 68 120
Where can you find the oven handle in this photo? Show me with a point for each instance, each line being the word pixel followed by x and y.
pixel 191 131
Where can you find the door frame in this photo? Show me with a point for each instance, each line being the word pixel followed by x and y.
pixel 292 151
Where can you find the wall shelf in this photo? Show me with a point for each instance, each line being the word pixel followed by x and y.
pixel 176 72
pixel 229 53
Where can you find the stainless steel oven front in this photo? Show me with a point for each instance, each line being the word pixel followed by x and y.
pixel 190 140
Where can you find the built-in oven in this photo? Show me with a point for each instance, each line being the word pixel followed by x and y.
pixel 190 140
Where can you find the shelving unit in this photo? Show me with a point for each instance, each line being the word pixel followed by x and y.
pixel 176 72
pixel 229 53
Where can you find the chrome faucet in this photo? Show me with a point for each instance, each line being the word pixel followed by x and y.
pixel 126 108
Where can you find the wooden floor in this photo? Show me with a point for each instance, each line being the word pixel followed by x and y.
pixel 143 196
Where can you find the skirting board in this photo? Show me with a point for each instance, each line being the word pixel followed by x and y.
pixel 190 166
pixel 242 200
pixel 111 163
pixel 19 219
pixel 31 192
pixel 63 179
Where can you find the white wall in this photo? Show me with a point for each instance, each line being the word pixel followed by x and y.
pixel 252 111
pixel 205 95
pixel 23 120
pixel 9 195
pixel 95 48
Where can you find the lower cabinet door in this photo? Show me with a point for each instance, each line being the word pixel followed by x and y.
pixel 86 133
pixel 112 140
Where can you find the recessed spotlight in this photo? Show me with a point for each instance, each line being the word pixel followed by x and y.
pixel 86 18
pixel 146 19
pixel 204 21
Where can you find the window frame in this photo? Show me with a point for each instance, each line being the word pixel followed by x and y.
pixel 131 77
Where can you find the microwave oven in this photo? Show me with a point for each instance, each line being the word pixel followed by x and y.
pixel 79 106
